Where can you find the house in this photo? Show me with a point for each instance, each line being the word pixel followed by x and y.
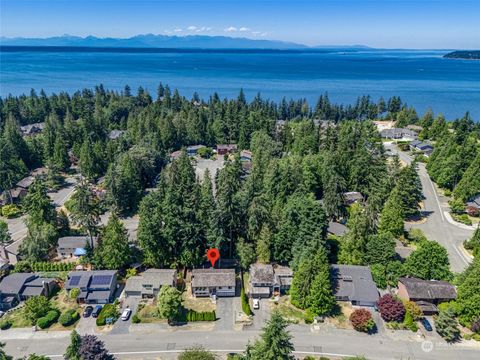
pixel 384 125
pixel 14 195
pixel 355 284
pixel 336 228
pixel 96 287
pixel 246 155
pixel 193 150
pixel 266 280
pixel 148 284
pixel 224 149
pixel 70 246
pixel 18 287
pixel 175 155
pixel 417 145
pixel 25 183
pixel 416 128
pixel 32 129
pixel 473 206
pixel 426 293
pixel 352 197
pixel 213 282
pixel 398 134
pixel 115 134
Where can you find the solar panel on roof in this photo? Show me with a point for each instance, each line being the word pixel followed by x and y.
pixel 101 279
pixel 74 280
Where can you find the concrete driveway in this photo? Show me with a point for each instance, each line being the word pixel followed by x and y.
pixel 226 310
pixel 122 327
pixel 86 326
pixel 260 316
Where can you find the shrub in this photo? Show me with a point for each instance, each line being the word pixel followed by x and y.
pixel 361 320
pixel 447 325
pixel 309 316
pixel 68 318
pixel 191 315
pixel 108 311
pixel 390 308
pixel 245 305
pixel 413 309
pixel 48 320
pixel 10 211
pixel 22 266
pixel 409 323
pixel 136 319
pixel 197 353
pixel 5 324
pixel 476 326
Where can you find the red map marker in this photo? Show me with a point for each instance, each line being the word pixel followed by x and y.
pixel 213 255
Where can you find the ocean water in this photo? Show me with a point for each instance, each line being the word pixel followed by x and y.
pixel 422 78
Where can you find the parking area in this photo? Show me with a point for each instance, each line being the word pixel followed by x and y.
pixel 122 327
pixel 261 315
pixel 86 326
pixel 226 310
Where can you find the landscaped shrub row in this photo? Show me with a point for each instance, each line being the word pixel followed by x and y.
pixel 48 320
pixel 25 266
pixel 188 315
pixel 69 317
pixel 108 311
pixel 245 305
pixel 10 211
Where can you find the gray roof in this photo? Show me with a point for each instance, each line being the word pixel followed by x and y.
pixel 32 291
pixel 352 196
pixel 195 147
pixel 261 274
pixel 115 134
pixel 75 241
pixel 32 128
pixel 155 277
pixel 213 277
pixel 336 228
pixel 98 295
pixel 474 201
pixel 85 279
pixel 26 182
pixel 354 282
pixel 13 283
pixel 428 289
pixel 396 133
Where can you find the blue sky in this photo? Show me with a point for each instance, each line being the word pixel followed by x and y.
pixel 378 23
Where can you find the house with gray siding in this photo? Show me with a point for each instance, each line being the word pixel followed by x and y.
pixel 149 283
pixel 213 282
pixel 96 287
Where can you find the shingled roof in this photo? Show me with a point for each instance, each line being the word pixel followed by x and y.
pixel 428 289
pixel 213 277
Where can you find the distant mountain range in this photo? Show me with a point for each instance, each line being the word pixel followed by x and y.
pixel 164 41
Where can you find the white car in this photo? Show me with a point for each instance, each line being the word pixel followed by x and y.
pixel 126 314
pixel 256 304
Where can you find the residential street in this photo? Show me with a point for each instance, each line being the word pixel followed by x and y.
pixel 436 227
pixel 165 343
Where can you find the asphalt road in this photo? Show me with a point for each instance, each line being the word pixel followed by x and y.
pixel 436 227
pixel 164 344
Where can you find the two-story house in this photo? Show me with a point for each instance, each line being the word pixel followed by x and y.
pixel 149 283
pixel 96 287
pixel 18 287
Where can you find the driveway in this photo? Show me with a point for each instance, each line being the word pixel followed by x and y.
pixel 86 325
pixel 260 316
pixel 226 310
pixel 122 327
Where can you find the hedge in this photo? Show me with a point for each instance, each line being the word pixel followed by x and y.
pixel 188 315
pixel 10 211
pixel 68 318
pixel 245 305
pixel 48 320
pixel 108 311
pixel 44 266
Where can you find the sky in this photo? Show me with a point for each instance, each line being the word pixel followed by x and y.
pixel 422 24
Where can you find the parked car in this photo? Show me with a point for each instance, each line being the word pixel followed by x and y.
pixel 426 324
pixel 88 311
pixel 97 310
pixel 256 304
pixel 126 314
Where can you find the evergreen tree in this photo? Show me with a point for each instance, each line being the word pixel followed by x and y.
pixel 85 211
pixel 391 219
pixel 263 245
pixel 61 160
pixel 113 251
pixel 38 205
pixel 353 243
pixel 447 326
pixel 380 249
pixel 429 262
pixel 275 342
pixel 72 352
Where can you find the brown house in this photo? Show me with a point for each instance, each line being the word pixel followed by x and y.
pixel 426 293
pixel 224 149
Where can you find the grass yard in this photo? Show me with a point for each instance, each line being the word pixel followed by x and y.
pixel 17 319
pixel 148 313
pixel 288 311
pixel 341 320
pixel 196 304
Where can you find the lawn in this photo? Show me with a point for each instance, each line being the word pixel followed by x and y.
pixel 17 319
pixel 196 304
pixel 148 313
pixel 288 311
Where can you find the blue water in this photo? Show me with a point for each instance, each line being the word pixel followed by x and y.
pixel 422 78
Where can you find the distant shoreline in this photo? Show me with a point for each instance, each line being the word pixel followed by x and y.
pixel 464 55
pixel 101 49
